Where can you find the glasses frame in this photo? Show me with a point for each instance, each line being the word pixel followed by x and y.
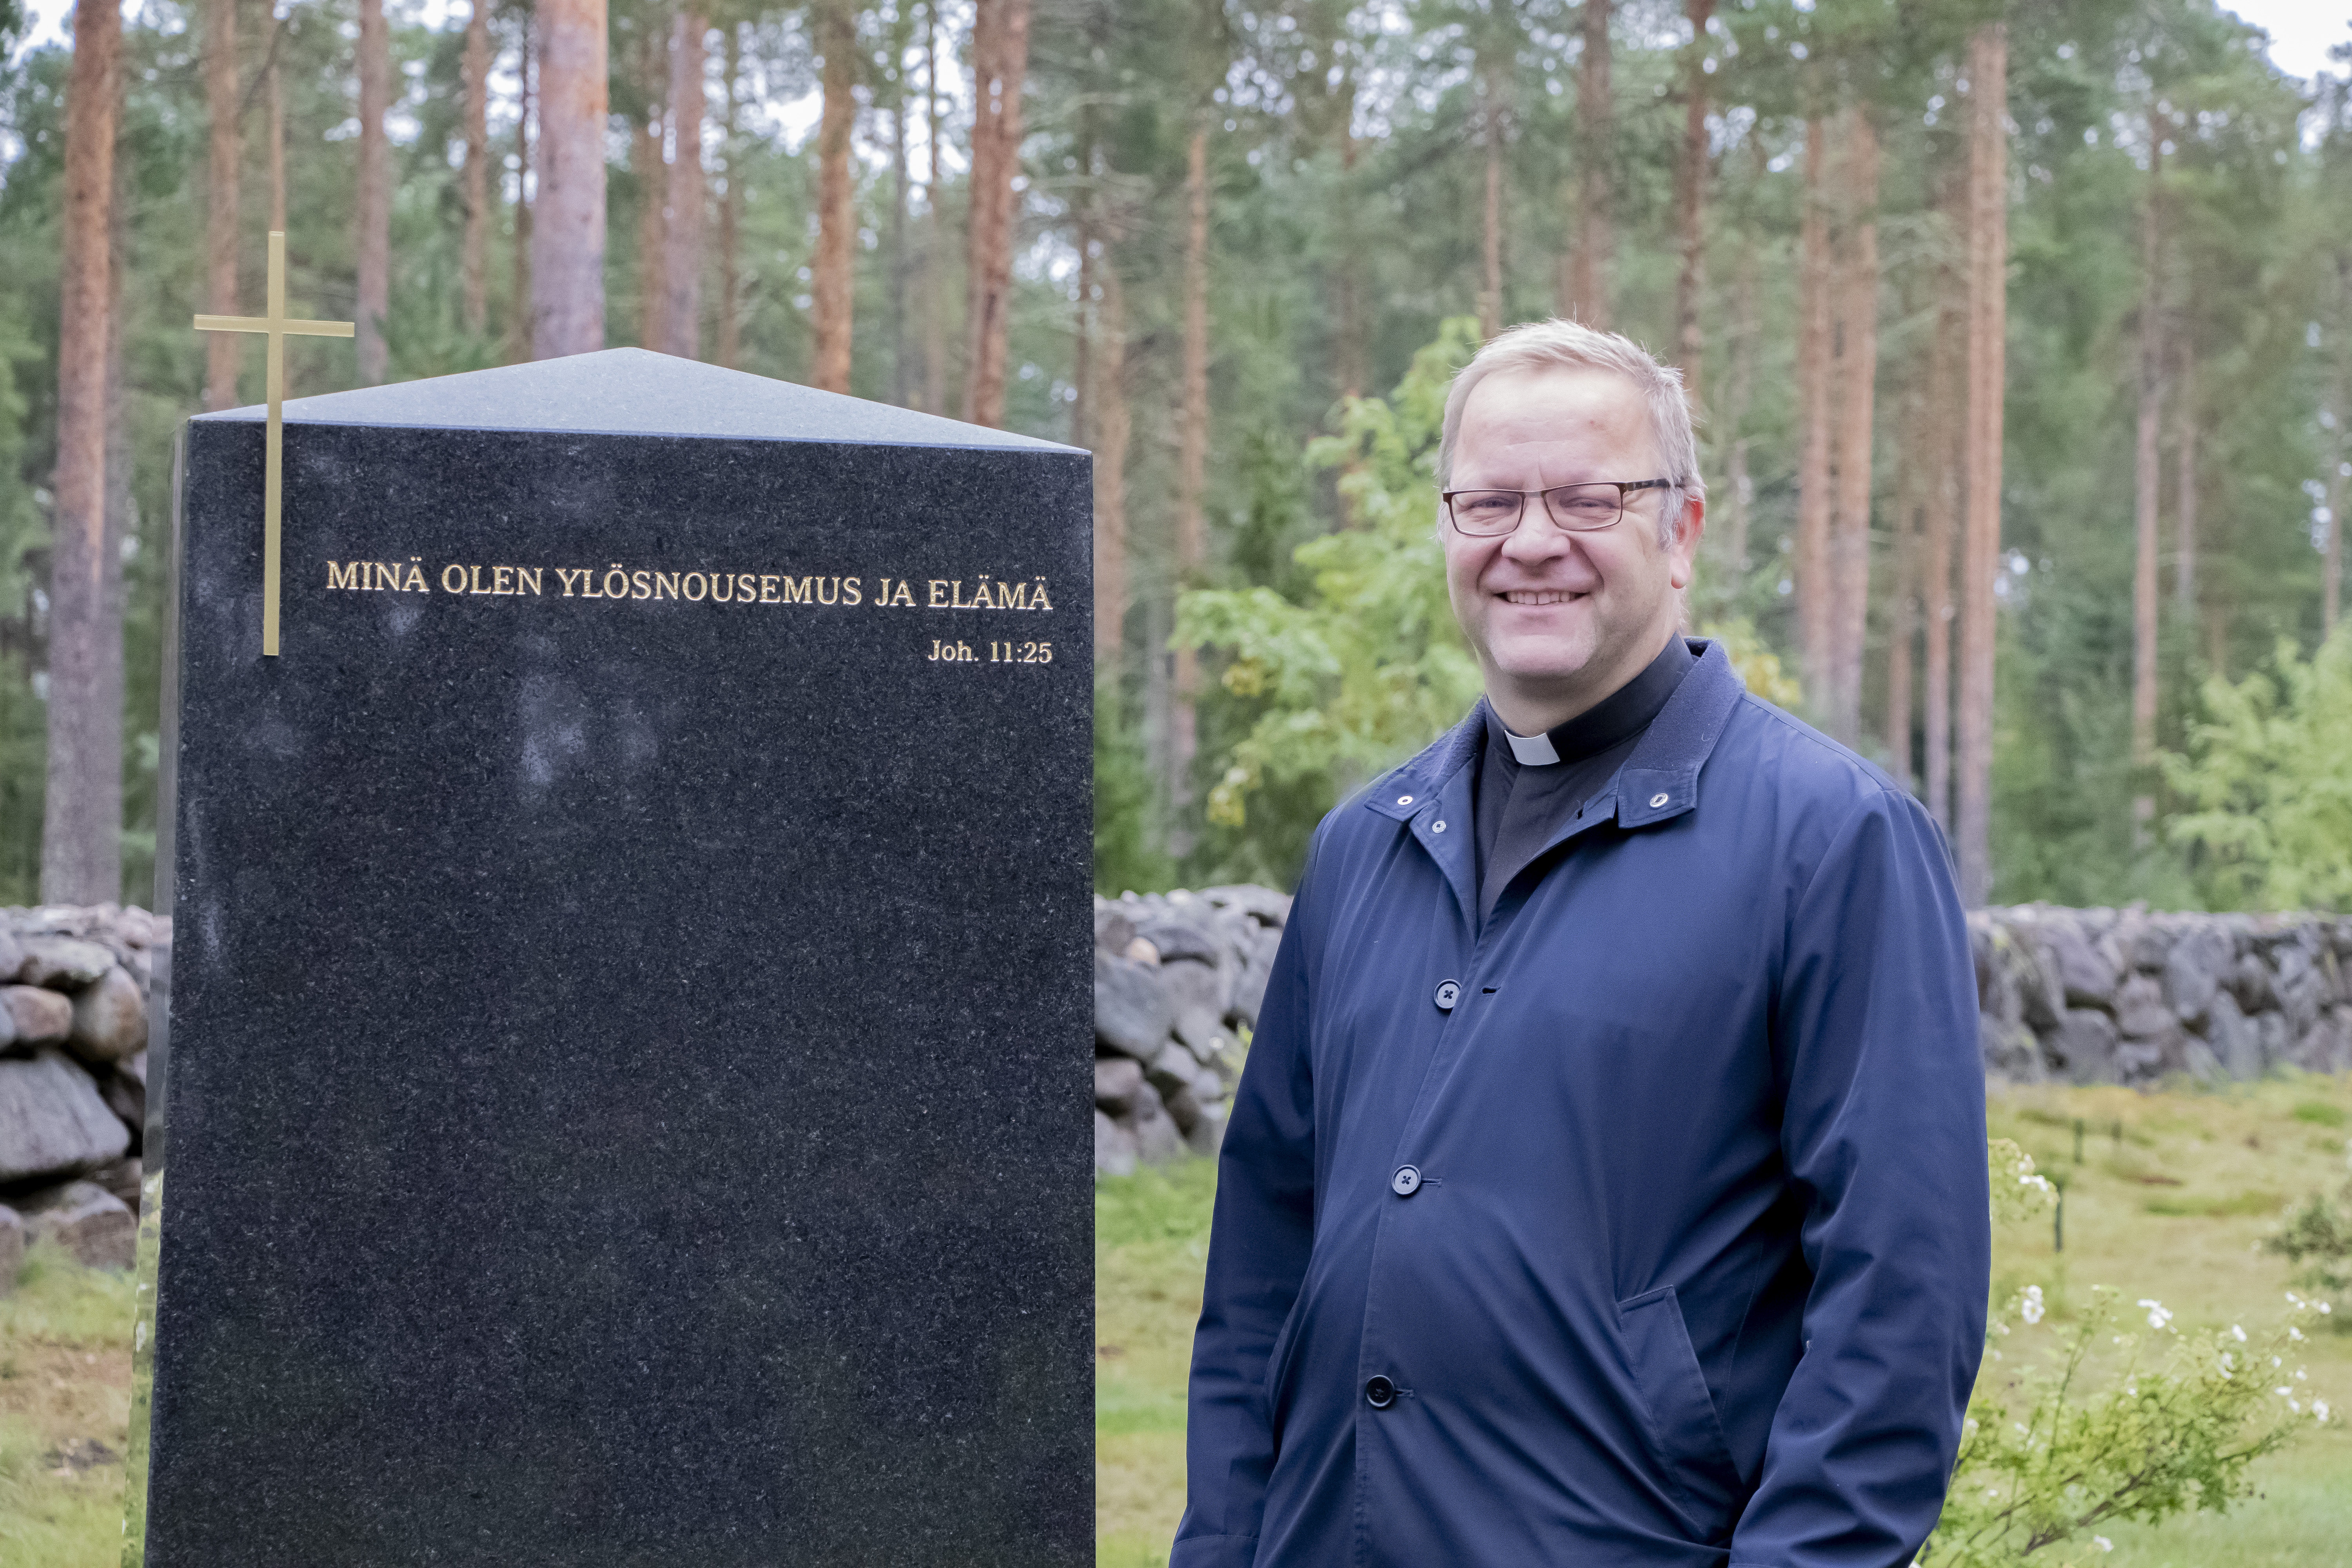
pixel 1624 487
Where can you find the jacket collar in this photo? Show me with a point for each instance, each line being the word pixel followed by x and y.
pixel 1659 781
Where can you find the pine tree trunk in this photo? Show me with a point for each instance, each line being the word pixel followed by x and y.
pixel 1936 452
pixel 1192 473
pixel 1987 286
pixel 1110 476
pixel 731 212
pixel 1584 294
pixel 935 329
pixel 1490 133
pixel 222 350
pixel 1857 303
pixel 902 387
pixel 1690 211
pixel 567 239
pixel 474 274
pixel 999 52
pixel 682 258
pixel 2184 486
pixel 2339 402
pixel 1744 330
pixel 832 285
pixel 651 176
pixel 106 685
pixel 1814 587
pixel 1902 626
pixel 374 247
pixel 1084 320
pixel 81 812
pixel 524 309
pixel 2147 479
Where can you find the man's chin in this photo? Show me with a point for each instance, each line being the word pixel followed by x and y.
pixel 1542 665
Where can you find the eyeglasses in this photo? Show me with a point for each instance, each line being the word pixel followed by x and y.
pixel 1578 508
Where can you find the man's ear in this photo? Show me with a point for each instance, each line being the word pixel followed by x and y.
pixel 1682 550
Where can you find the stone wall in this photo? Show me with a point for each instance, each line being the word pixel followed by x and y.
pixel 2126 996
pixel 2078 996
pixel 73 1078
pixel 1178 978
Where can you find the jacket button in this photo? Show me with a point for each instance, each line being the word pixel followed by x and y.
pixel 1448 994
pixel 1406 1182
pixel 1380 1393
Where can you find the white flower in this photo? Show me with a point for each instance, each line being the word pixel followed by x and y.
pixel 2021 1427
pixel 2319 1409
pixel 2284 1392
pixel 2275 1362
pixel 2238 1333
pixel 2103 1543
pixel 2325 1307
pixel 2294 1299
pixel 2032 1310
pixel 2293 1332
pixel 2132 1389
pixel 2228 1365
pixel 2157 1315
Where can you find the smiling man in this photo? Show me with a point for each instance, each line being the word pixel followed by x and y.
pixel 1606 1185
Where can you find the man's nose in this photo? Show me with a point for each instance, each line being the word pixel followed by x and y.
pixel 1537 538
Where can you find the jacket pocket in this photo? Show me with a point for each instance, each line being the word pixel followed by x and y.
pixel 1683 1420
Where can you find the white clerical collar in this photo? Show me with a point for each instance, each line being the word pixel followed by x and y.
pixel 1532 751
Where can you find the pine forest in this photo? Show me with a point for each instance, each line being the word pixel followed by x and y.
pixel 2021 336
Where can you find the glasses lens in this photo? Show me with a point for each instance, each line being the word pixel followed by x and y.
pixel 1581 507
pixel 1486 511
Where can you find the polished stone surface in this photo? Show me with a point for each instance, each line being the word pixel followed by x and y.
pixel 629 1053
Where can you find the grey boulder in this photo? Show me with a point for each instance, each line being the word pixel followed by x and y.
pixel 2084 1046
pixel 88 1221
pixel 1131 1014
pixel 52 1121
pixel 63 963
pixel 1115 1148
pixel 2195 969
pixel 109 1018
pixel 36 1015
pixel 1117 1078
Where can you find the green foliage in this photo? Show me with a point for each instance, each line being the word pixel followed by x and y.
pixel 2317 1240
pixel 2059 1444
pixel 2269 783
pixel 2018 1192
pixel 1367 665
pixel 1125 855
pixel 1760 668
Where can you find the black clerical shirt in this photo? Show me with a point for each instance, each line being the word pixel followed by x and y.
pixel 1520 805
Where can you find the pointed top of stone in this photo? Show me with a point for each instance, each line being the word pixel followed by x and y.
pixel 634 392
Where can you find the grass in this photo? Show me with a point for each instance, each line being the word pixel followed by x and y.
pixel 65 1413
pixel 2174 1192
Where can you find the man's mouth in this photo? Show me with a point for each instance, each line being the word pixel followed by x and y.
pixel 1538 596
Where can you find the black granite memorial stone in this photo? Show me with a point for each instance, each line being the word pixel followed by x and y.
pixel 629 1049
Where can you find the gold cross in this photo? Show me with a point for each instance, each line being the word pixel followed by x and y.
pixel 277 329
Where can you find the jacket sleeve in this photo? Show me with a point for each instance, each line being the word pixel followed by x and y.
pixel 1258 1243
pixel 1877 1048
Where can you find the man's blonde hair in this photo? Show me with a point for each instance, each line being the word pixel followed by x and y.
pixel 1557 344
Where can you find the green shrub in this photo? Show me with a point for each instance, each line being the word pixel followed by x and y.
pixel 2048 1457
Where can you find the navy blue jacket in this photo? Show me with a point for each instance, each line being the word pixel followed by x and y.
pixel 1646 1226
